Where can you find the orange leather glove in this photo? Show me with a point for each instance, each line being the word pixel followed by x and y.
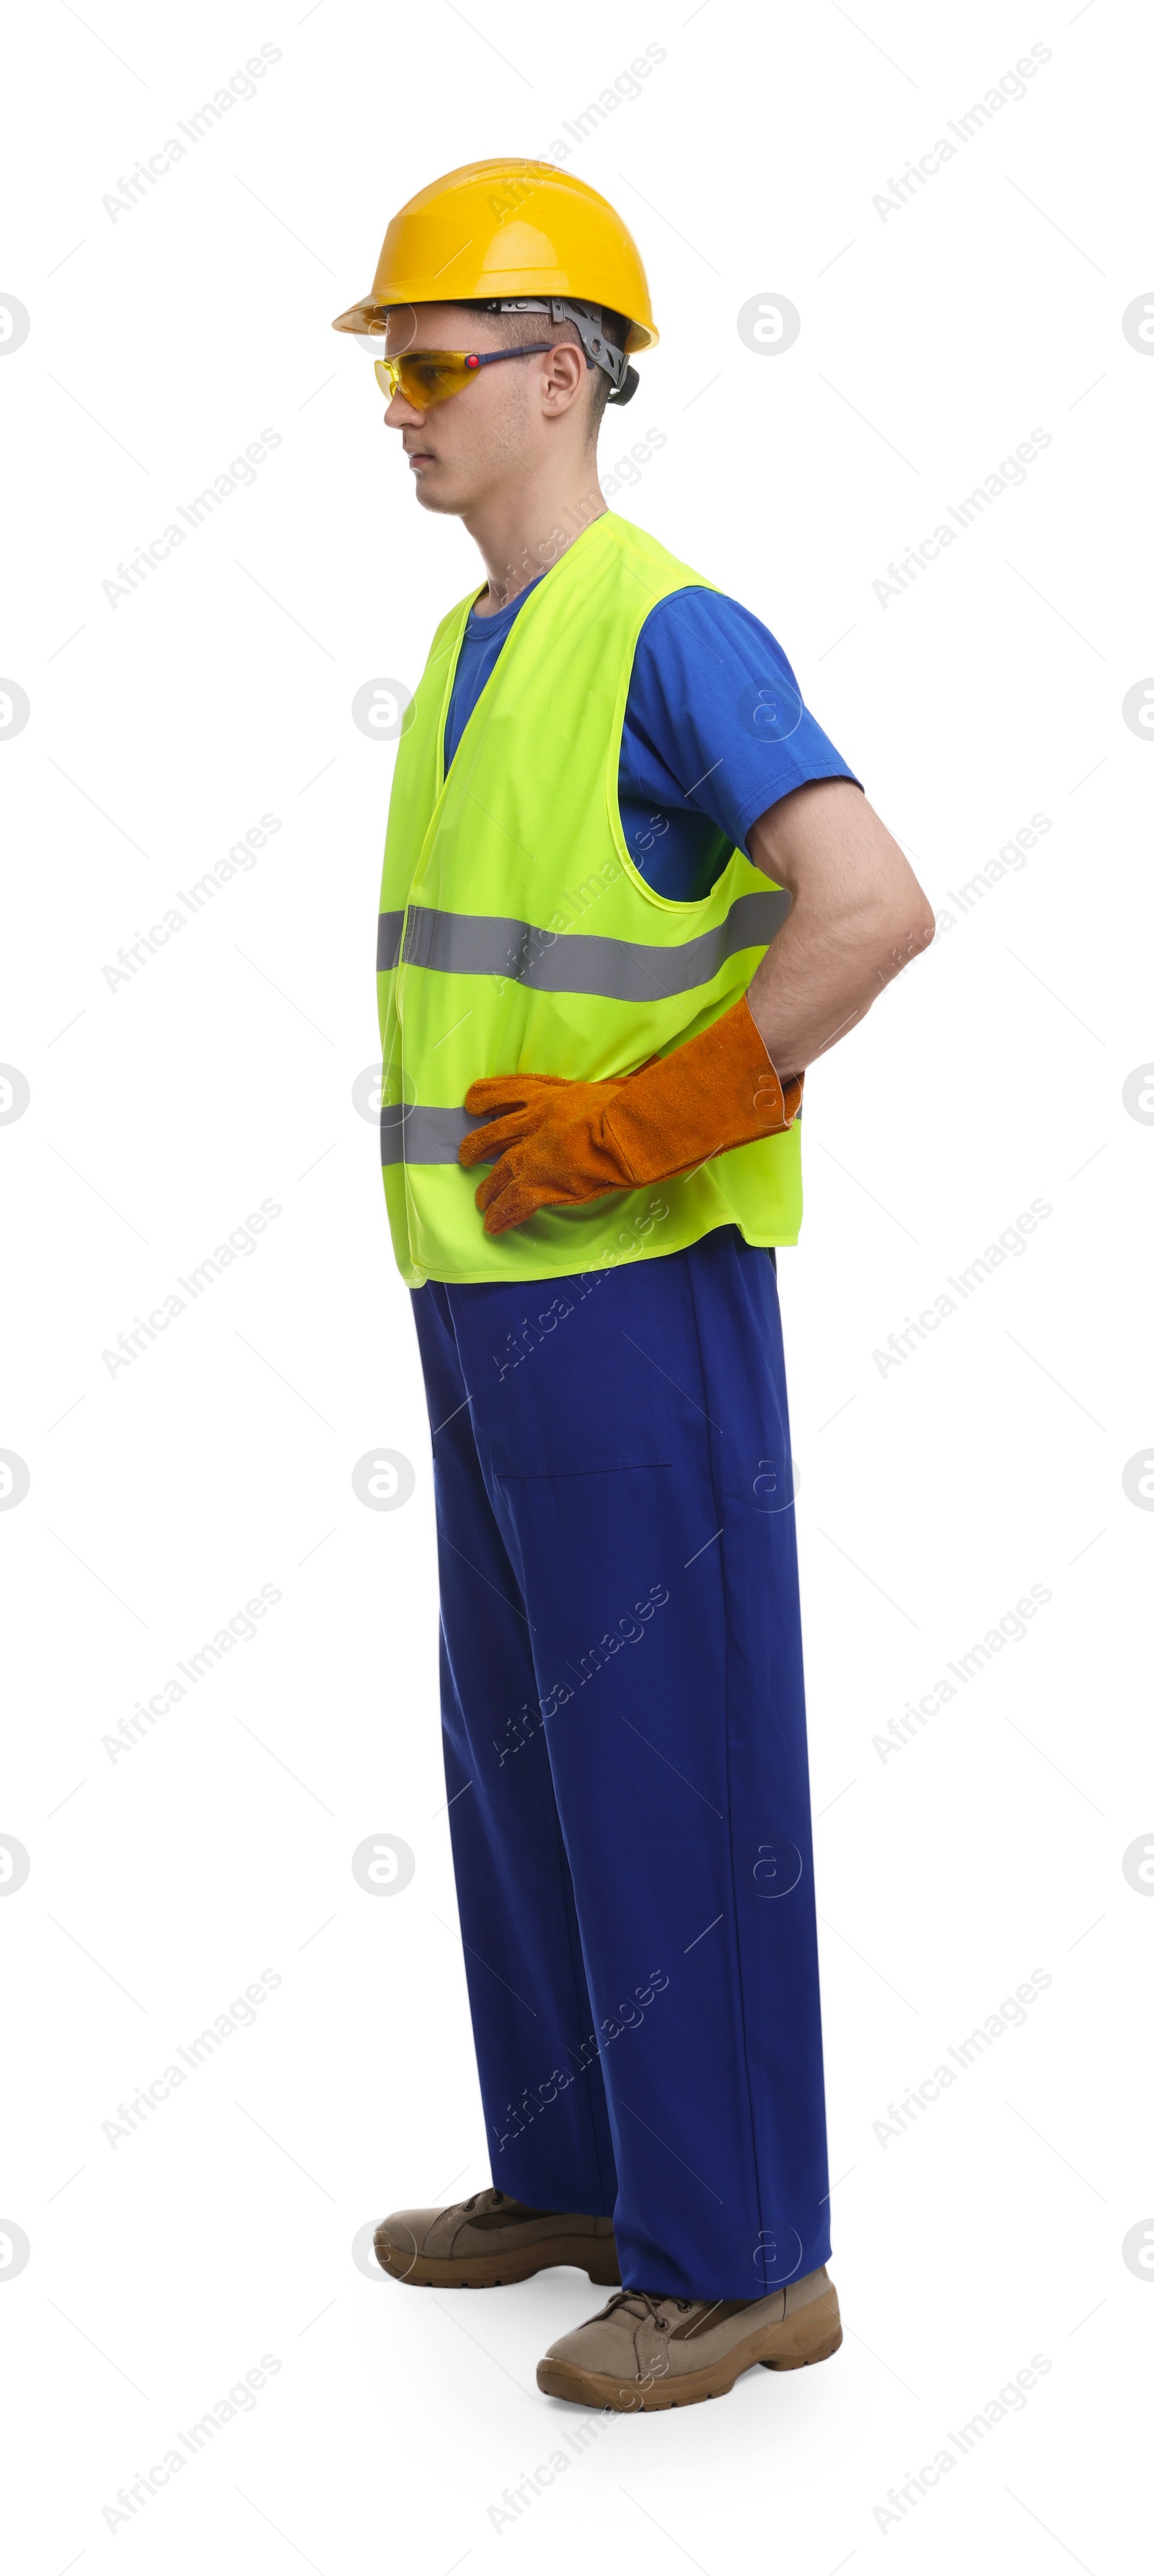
pixel 554 1143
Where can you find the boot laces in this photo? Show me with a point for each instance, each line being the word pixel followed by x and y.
pixel 491 2197
pixel 646 2304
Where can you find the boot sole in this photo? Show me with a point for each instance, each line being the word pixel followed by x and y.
pixel 495 2271
pixel 813 2333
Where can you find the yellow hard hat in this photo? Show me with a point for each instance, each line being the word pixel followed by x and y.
pixel 507 228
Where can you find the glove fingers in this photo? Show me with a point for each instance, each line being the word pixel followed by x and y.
pixel 507 1186
pixel 506 1199
pixel 497 1091
pixel 517 1202
pixel 509 1197
pixel 486 1143
pixel 512 1208
pixel 491 1187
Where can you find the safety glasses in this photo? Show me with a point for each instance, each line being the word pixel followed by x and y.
pixel 427 376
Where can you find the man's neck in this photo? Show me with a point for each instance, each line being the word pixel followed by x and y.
pixel 518 538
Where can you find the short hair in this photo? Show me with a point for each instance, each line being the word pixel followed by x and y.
pixel 519 330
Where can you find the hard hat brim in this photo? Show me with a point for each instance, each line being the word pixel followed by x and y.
pixel 370 317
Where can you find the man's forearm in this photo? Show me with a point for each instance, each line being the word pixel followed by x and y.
pixel 818 979
pixel 858 917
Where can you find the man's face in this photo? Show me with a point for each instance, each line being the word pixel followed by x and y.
pixel 474 443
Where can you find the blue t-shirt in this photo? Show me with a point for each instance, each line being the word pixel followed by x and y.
pixel 715 732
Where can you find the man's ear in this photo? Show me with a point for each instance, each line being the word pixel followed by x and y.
pixel 562 376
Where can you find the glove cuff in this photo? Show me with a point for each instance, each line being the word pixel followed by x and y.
pixel 719 1090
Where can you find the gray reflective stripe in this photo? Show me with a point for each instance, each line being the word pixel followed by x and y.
pixel 416 1134
pixel 388 940
pixel 617 970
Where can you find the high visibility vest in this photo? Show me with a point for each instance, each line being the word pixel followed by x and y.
pixel 517 935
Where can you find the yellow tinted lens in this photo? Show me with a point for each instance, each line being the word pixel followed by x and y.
pixel 424 379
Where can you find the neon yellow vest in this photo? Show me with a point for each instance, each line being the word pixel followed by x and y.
pixel 516 934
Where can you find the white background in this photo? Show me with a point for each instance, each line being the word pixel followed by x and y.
pixel 991 1459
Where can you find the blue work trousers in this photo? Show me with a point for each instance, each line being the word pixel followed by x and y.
pixel 625 1754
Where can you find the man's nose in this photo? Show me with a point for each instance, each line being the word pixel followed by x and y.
pixel 402 414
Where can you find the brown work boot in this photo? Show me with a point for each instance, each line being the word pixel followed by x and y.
pixel 645 2351
pixel 480 2243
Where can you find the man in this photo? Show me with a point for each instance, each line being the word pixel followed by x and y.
pixel 630 892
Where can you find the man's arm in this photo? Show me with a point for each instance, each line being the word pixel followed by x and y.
pixel 858 916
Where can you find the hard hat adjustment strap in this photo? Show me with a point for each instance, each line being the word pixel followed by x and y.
pixel 588 323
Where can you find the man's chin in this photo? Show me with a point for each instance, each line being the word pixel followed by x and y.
pixel 443 502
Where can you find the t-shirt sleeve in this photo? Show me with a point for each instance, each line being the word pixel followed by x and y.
pixel 715 714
